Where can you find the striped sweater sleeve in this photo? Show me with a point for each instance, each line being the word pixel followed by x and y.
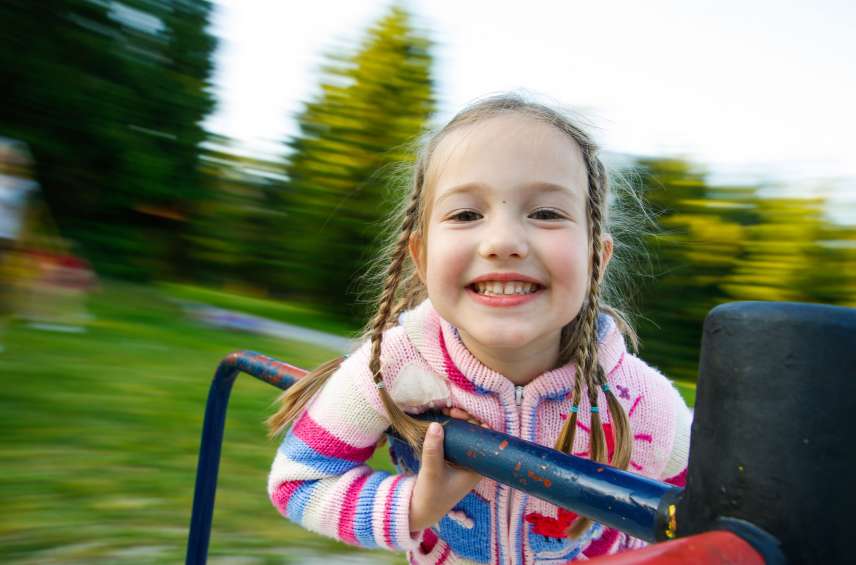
pixel 319 478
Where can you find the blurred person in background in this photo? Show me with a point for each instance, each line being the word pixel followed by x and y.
pixel 42 280
pixel 16 188
pixel 55 297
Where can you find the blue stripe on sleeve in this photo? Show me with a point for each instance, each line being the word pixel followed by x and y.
pixel 294 449
pixel 363 519
pixel 299 500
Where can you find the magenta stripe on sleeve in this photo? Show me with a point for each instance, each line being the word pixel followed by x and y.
pixel 349 510
pixel 326 444
pixel 387 534
pixel 283 493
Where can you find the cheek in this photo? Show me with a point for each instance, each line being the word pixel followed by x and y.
pixel 446 262
pixel 569 266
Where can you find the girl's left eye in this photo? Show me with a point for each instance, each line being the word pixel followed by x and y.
pixel 546 214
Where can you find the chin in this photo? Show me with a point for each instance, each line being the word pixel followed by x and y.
pixel 502 339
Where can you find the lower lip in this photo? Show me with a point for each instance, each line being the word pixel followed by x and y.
pixel 504 300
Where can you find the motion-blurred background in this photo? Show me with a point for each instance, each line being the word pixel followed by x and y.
pixel 181 178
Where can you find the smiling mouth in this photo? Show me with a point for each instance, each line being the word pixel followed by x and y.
pixel 505 288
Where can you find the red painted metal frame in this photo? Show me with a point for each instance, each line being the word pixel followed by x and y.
pixel 709 548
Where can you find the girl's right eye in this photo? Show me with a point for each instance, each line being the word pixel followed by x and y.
pixel 465 216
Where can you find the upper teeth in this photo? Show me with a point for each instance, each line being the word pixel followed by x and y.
pixel 509 287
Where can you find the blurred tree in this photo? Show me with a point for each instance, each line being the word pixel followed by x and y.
pixel 110 96
pixel 699 241
pixel 792 253
pixel 237 223
pixel 717 244
pixel 370 106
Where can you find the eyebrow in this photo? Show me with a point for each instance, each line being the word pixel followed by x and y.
pixel 481 187
pixel 462 188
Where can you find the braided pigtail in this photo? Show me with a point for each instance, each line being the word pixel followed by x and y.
pixel 565 443
pixel 589 369
pixel 390 306
pixel 412 430
pixel 412 293
pixel 618 417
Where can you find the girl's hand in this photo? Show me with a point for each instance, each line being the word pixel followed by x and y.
pixel 439 486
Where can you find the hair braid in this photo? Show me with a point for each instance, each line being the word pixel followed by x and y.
pixel 589 369
pixel 411 291
pixel 412 430
pixel 620 426
pixel 295 399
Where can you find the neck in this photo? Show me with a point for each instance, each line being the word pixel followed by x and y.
pixel 520 365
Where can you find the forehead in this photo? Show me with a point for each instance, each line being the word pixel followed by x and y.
pixel 506 152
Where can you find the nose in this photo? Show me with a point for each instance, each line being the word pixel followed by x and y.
pixel 504 239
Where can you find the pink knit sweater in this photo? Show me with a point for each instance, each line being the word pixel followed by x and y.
pixel 319 478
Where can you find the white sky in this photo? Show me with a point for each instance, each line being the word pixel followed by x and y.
pixel 757 88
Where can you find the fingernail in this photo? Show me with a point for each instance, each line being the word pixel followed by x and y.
pixel 434 429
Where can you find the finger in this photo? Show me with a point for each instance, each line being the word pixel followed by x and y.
pixel 432 451
pixel 462 481
pixel 460 414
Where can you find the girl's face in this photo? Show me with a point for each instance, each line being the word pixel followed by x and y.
pixel 505 251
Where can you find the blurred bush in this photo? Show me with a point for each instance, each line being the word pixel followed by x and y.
pixel 110 97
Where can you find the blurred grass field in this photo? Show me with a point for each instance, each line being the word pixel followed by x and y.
pixel 101 435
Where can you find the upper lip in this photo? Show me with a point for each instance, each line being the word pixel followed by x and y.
pixel 504 277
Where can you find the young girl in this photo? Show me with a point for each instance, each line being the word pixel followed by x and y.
pixel 491 311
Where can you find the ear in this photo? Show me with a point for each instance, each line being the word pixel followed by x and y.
pixel 417 254
pixel 605 252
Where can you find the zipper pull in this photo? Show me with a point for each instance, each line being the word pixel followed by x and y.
pixel 518 395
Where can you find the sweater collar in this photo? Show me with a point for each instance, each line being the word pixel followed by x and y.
pixel 441 346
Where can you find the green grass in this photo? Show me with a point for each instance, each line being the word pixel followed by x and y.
pixel 687 390
pixel 101 435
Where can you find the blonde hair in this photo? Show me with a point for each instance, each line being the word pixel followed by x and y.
pixel 402 290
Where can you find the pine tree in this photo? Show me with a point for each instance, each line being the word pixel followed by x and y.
pixel 370 106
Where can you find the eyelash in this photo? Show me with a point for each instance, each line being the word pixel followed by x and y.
pixel 457 216
pixel 472 215
pixel 554 214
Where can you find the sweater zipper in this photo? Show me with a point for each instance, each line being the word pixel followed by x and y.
pixel 518 402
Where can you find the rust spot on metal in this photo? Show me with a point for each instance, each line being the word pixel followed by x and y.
pixel 517 467
pixel 535 477
pixel 504 444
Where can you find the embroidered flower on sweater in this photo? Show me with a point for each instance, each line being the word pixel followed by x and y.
pixel 460 517
pixel 551 527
